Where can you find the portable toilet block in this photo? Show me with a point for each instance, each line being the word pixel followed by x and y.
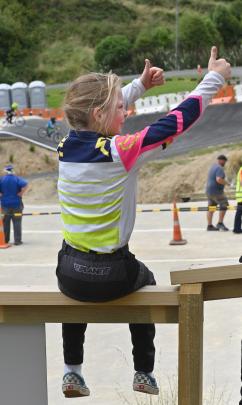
pixel 5 96
pixel 37 94
pixel 20 94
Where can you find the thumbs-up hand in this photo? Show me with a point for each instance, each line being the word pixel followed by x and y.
pixel 218 65
pixel 152 76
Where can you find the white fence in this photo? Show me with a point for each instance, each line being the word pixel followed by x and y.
pixel 238 92
pixel 161 103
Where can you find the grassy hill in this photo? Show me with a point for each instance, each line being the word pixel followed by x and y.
pixel 55 40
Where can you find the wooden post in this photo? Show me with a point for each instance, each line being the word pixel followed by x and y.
pixel 190 360
pixel 23 378
pixel 240 402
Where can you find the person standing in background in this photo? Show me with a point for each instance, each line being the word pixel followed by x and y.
pixel 12 189
pixel 238 196
pixel 215 193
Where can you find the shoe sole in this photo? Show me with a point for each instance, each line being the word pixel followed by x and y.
pixel 73 391
pixel 146 389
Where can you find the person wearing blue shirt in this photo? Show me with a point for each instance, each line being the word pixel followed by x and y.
pixel 12 188
pixel 215 193
pixel 51 124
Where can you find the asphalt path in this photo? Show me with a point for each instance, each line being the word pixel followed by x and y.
pixel 219 125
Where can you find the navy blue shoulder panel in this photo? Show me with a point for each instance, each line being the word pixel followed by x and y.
pixel 85 147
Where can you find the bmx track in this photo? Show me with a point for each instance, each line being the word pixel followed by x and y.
pixel 219 125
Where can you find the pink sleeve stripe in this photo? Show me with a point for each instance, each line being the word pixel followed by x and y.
pixel 199 98
pixel 129 147
pixel 179 119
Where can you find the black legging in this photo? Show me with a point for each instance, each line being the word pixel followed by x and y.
pixel 142 335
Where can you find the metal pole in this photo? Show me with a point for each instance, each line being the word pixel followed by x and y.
pixel 177 36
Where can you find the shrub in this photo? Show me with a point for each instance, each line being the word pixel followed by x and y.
pixel 228 25
pixel 113 53
pixel 69 61
pixel 196 35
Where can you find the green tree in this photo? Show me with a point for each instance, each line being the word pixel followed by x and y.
pixel 197 34
pixel 153 39
pixel 16 43
pixel 113 52
pixel 236 9
pixel 155 44
pixel 228 26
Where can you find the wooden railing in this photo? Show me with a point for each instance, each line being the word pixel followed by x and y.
pixel 25 310
pixel 197 286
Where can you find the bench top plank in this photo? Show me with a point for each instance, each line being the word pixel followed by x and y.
pixel 220 273
pixel 51 296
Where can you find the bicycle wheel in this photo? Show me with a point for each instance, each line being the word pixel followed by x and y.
pixel 57 137
pixel 42 132
pixel 5 122
pixel 19 121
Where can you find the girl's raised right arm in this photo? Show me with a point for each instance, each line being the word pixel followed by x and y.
pixel 134 150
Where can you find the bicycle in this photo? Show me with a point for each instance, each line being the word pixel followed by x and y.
pixel 56 135
pixel 17 121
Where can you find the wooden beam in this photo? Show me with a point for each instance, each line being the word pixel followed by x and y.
pixel 190 362
pixel 88 313
pixel 225 289
pixel 50 296
pixel 232 272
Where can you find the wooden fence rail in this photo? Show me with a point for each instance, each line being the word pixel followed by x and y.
pixel 25 310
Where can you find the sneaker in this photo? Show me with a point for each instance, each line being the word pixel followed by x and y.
pixel 18 243
pixel 212 228
pixel 74 386
pixel 143 382
pixel 221 227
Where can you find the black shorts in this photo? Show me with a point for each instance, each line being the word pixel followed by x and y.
pixel 100 277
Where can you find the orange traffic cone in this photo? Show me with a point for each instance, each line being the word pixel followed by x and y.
pixel 177 236
pixel 3 245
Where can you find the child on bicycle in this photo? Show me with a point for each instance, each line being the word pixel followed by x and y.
pixel 98 170
pixel 11 112
pixel 51 125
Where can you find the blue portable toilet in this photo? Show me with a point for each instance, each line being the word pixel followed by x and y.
pixel 37 94
pixel 5 96
pixel 20 94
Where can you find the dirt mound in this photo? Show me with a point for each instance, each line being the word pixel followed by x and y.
pixel 159 181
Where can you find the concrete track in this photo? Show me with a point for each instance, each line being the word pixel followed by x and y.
pixel 29 132
pixel 220 124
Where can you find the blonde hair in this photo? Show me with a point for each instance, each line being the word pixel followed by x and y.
pixel 94 90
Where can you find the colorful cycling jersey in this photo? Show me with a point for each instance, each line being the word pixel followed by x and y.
pixel 98 175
